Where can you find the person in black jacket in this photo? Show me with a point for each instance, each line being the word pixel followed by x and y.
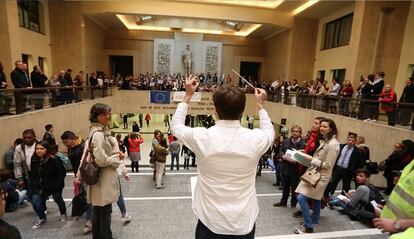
pixel 4 98
pixel 48 179
pixel 365 108
pixel 350 159
pixel 38 81
pixel 377 87
pixel 20 80
pixel 289 168
pixel 49 136
pixel 407 98
pixel 75 145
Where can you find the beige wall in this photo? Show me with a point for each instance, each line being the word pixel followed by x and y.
pixel 277 54
pixel 380 138
pixel 37 45
pixel 335 58
pixel 66 35
pixel 16 40
pixel 291 54
pixel 407 54
pixel 94 37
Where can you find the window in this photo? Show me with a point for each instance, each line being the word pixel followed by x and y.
pixel 339 75
pixel 40 61
pixel 338 32
pixel 321 75
pixel 31 15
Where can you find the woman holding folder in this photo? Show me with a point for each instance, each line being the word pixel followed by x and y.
pixel 317 176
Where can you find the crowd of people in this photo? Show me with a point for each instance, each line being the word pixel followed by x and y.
pixel 36 170
pixel 363 102
pixel 30 91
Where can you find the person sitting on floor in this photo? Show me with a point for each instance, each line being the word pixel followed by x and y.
pixel 357 205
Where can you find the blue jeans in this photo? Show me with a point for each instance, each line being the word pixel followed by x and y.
pixel 336 202
pixel 175 156
pixel 39 203
pixel 121 201
pixel 121 204
pixel 309 220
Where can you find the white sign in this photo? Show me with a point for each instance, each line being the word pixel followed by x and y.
pixel 179 96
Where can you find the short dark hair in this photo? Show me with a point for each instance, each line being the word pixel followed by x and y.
pixel 371 77
pixel 67 135
pixel 98 109
pixel 332 125
pixel 18 141
pixel 229 102
pixel 364 171
pixel 29 131
pixel 381 73
pixel 320 118
pixel 48 127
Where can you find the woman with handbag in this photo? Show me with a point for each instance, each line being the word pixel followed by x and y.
pixel 107 157
pixel 316 178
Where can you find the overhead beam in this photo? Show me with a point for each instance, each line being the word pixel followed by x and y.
pixel 193 10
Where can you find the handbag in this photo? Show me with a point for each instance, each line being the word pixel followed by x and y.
pixel 89 170
pixel 79 205
pixel 312 176
pixel 152 157
pixel 372 167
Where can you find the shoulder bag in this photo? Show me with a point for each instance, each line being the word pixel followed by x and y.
pixel 312 176
pixel 89 170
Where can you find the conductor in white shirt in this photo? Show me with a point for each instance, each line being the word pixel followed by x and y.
pixel 225 199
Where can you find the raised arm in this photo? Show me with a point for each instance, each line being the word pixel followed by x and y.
pixel 178 128
pixel 265 123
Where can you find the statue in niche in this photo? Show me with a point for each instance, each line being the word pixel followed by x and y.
pixel 187 60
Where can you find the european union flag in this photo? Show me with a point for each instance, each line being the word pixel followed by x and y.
pixel 160 97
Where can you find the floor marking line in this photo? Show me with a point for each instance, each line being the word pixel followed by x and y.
pixel 333 234
pixel 178 197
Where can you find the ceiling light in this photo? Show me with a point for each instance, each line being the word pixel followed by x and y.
pixel 304 6
pixel 232 24
pixel 146 18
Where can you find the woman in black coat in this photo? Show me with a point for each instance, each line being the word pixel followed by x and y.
pixel 47 178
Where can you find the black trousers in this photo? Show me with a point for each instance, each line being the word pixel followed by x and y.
pixel 289 183
pixel 101 222
pixel 202 232
pixel 339 174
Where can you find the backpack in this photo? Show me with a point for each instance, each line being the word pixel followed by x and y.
pixel 63 158
pixel 375 194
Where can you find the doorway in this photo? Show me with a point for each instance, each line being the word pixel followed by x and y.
pixel 250 70
pixel 122 65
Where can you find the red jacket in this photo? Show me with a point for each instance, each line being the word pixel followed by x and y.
pixel 134 144
pixel 388 97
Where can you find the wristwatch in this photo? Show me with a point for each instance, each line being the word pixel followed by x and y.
pixel 397 226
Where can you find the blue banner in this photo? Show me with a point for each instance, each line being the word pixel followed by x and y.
pixel 160 97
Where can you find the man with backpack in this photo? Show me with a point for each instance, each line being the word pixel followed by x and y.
pixel 358 205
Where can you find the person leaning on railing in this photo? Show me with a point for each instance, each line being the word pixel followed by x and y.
pixel 388 99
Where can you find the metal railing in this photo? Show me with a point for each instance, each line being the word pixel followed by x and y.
pixel 363 109
pixel 18 101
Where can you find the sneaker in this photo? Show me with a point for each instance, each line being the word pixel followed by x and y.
pixel 297 214
pixel 279 204
pixel 40 223
pixel 87 228
pixel 302 230
pixel 125 219
pixel 160 187
pixel 375 121
pixel 63 218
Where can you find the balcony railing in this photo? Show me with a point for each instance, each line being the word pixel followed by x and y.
pixel 363 109
pixel 18 101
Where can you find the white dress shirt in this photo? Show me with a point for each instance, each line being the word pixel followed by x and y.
pixel 227 155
